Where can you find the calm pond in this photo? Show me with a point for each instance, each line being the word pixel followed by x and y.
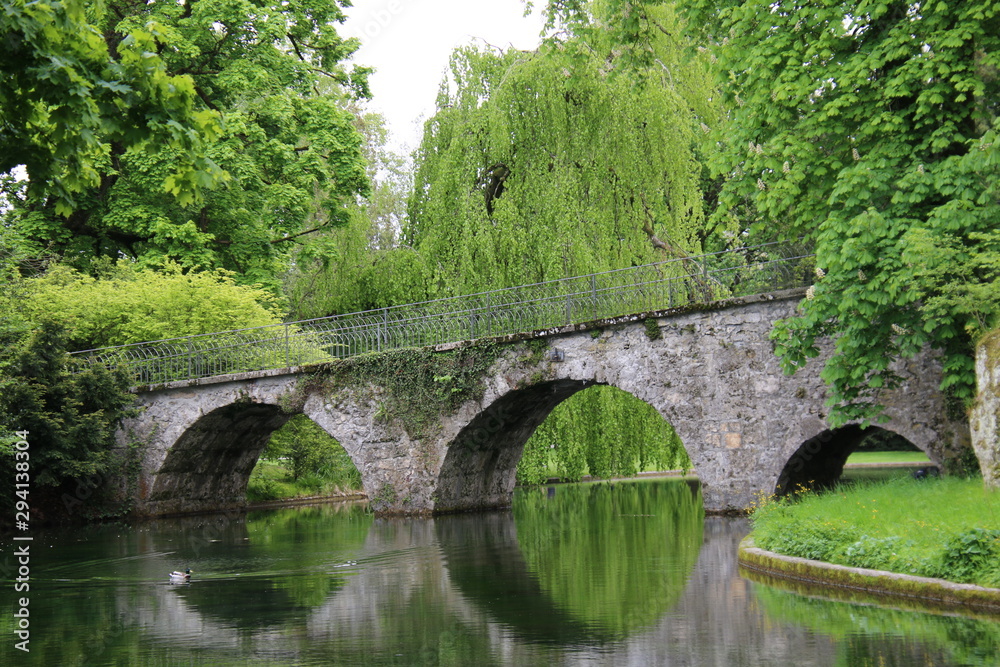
pixel 628 573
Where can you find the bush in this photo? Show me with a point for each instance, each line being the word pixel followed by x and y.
pixel 70 413
pixel 129 304
pixel 972 556
pixel 808 540
pixel 877 553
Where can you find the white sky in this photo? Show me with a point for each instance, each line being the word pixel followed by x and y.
pixel 408 42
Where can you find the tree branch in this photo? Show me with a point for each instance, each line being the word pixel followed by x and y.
pixel 295 45
pixel 647 227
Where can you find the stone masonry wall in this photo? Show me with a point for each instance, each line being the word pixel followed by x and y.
pixel 985 417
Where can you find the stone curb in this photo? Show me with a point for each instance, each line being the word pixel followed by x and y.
pixel 938 593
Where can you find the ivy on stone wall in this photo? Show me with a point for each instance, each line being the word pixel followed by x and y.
pixel 415 386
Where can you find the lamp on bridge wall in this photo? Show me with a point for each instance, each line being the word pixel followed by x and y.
pixel 557 355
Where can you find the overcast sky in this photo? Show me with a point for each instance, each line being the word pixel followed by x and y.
pixel 408 43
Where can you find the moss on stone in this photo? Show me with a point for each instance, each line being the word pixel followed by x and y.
pixel 930 592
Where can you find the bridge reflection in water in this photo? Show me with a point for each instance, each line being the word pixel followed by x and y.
pixel 624 573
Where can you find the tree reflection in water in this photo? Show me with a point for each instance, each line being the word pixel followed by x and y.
pixel 578 564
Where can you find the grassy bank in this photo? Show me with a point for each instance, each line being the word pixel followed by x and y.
pixel 275 480
pixel 887 458
pixel 945 528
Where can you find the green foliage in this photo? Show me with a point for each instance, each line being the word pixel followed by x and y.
pixel 311 451
pixel 128 304
pixel 341 272
pixel 528 171
pixel 415 385
pixel 607 583
pixel 809 540
pixel 947 528
pixel 652 329
pixel 959 278
pixel 361 265
pixel 70 413
pixel 602 431
pixel 870 128
pixel 272 72
pixel 974 556
pixel 66 97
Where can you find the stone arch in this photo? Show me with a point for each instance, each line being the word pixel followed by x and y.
pixel 210 463
pixel 819 461
pixel 478 470
pixel 201 442
pixel 479 466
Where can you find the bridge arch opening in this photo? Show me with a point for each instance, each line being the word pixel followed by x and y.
pixel 523 437
pixel 819 462
pixel 209 466
pixel 302 458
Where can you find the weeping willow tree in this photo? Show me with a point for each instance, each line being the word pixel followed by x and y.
pixel 604 432
pixel 562 161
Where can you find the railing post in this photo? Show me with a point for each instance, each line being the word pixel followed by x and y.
pixel 593 297
pixel 384 337
pixel 287 361
pixel 489 316
pixel 190 372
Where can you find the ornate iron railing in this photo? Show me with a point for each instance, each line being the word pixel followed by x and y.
pixel 640 289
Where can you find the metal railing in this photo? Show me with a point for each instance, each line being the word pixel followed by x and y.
pixel 652 287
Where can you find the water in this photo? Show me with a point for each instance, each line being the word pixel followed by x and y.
pixel 598 574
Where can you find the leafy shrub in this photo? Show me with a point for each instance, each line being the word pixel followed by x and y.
pixel 876 553
pixel 129 304
pixel 262 488
pixel 972 556
pixel 807 540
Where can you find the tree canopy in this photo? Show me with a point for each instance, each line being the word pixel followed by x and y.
pixel 67 94
pixel 272 73
pixel 540 165
pixel 870 127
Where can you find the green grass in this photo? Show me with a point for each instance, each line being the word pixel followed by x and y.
pixel 887 457
pixel 947 528
pixel 554 472
pixel 271 480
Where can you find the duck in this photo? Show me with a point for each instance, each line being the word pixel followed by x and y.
pixel 177 575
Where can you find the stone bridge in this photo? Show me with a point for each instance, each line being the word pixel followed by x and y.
pixel 712 374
